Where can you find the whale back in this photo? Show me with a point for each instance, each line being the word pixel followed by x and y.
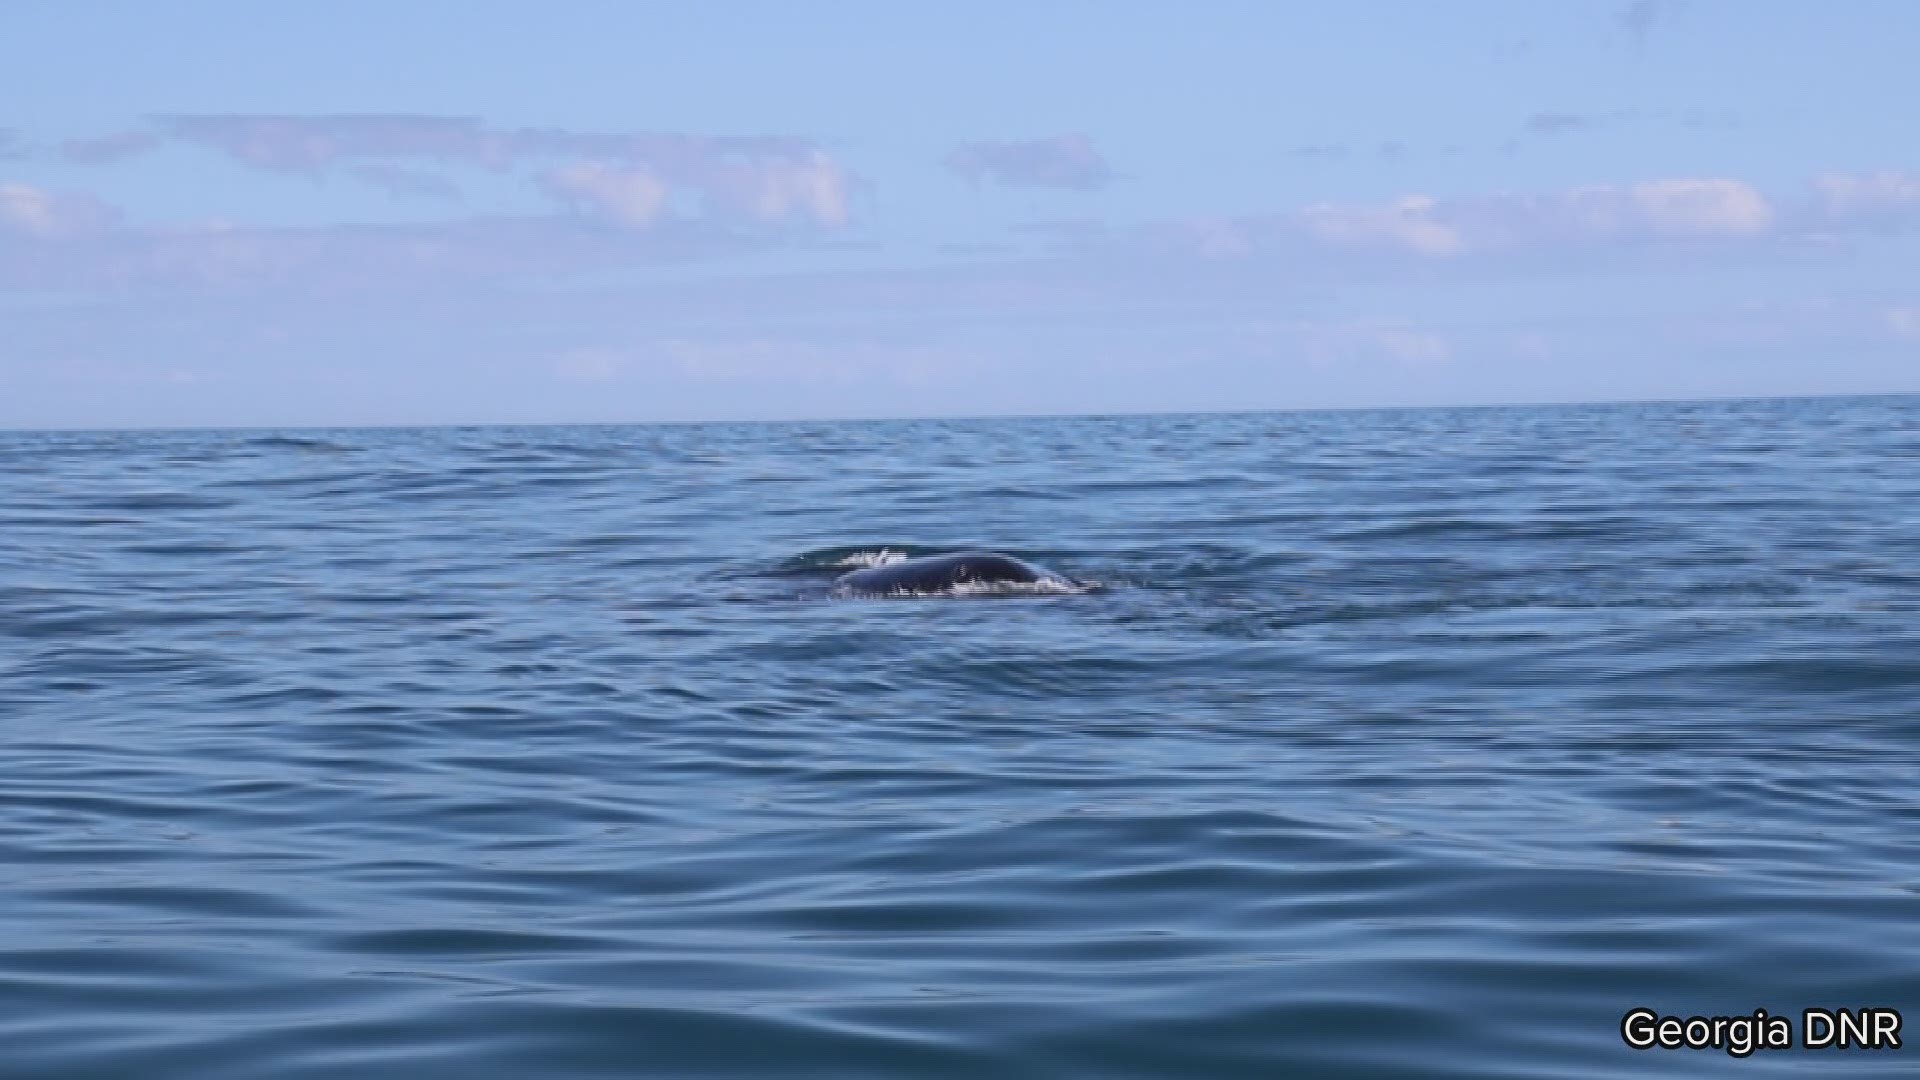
pixel 933 574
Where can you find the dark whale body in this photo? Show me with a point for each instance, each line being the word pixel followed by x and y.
pixel 941 573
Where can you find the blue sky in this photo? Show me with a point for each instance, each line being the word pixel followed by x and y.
pixel 243 214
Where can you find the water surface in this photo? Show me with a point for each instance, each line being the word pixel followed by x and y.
pixel 1414 743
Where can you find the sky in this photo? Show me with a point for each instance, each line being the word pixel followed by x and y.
pixel 237 214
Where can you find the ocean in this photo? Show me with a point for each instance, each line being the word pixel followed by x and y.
pixel 1422 743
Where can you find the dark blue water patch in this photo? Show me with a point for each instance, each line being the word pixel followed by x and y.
pixel 1399 744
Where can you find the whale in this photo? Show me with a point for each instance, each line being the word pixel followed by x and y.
pixel 935 574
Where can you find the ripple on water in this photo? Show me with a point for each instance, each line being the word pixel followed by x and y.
pixel 1399 744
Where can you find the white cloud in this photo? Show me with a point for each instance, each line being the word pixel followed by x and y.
pixel 27 209
pixel 808 187
pixel 37 212
pixel 1409 223
pixel 1702 207
pixel 625 177
pixel 633 198
pixel 1717 209
pixel 1876 193
pixel 1904 322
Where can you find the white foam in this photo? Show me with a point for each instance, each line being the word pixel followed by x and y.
pixel 1041 587
pixel 969 589
pixel 870 559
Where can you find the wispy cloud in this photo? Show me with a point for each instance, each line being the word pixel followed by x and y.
pixel 1061 161
pixel 758 179
pixel 312 144
pixel 1876 195
pixel 1319 152
pixel 1559 123
pixel 111 147
pixel 79 244
pixel 307 144
pixel 1427 227
pixel 1642 17
pixel 621 200
pixel 407 182
pixel 613 217
pixel 31 211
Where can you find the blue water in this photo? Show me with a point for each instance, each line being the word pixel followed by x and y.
pixel 1413 743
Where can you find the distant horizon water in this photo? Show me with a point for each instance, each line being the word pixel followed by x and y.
pixel 882 419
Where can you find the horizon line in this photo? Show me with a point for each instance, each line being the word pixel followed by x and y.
pixel 966 417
